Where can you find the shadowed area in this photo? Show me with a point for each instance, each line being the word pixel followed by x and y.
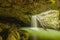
pixel 12 20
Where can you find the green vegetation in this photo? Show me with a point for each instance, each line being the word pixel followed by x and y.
pixel 42 34
pixel 17 13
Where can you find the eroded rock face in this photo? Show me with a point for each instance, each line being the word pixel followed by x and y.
pixel 49 19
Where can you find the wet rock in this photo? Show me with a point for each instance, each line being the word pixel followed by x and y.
pixel 49 19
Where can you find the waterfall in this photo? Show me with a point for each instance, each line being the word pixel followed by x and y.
pixel 34 21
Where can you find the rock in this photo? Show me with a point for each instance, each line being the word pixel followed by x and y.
pixel 49 19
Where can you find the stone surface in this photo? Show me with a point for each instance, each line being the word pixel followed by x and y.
pixel 49 19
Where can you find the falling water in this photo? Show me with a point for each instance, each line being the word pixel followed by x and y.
pixel 34 21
